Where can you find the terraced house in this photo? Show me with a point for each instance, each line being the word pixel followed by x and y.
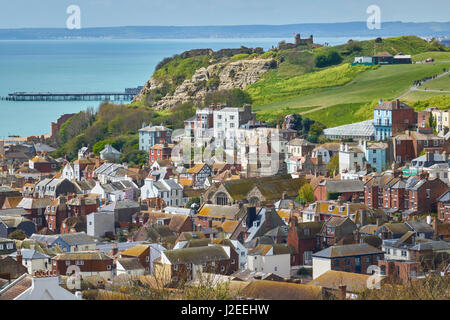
pixel 90 263
pixel 190 263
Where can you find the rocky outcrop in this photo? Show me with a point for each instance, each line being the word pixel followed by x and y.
pixel 219 76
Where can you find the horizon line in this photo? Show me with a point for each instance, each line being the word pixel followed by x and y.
pixel 231 25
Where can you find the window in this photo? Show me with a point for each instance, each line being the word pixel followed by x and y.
pixel 222 268
pixel 189 266
pixel 276 269
pixel 79 262
pixel 347 261
pixel 108 267
pixel 428 193
pixel 404 253
pixel 233 261
pixel 1 247
pixel 175 267
pixel 67 263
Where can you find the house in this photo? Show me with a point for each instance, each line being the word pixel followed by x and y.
pixel 100 223
pixel 303 238
pixel 352 283
pixel 336 229
pixel 43 164
pixel 88 263
pixel 210 214
pixel 35 210
pixel 198 125
pixel 300 147
pixel 270 258
pixel 258 225
pixel 11 223
pixel 355 258
pixel 351 158
pixel 275 290
pixel 198 174
pixel 168 190
pixel 116 191
pixel 55 213
pixel 74 242
pixel 346 190
pixel 326 150
pixel 123 210
pixel 151 135
pixel 109 153
pixel 189 263
pixel 420 228
pixel 383 58
pixel 323 210
pixel 142 253
pixel 443 207
pixel 129 266
pixel 54 188
pixel 227 120
pixel 402 58
pixel 7 246
pixel 159 152
pixel 33 260
pixel 392 230
pixel 41 286
pixel 11 202
pixel 81 206
pixel 376 154
pixel 11 269
pixel 73 225
pixel 392 117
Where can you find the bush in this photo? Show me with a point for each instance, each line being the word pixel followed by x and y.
pixel 330 58
pixel 17 235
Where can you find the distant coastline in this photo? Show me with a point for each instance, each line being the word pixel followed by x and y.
pixel 348 29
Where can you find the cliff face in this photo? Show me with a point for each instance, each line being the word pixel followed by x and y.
pixel 216 77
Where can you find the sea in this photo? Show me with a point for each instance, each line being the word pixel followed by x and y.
pixel 88 66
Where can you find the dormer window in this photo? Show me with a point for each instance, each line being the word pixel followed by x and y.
pixel 330 208
pixel 255 223
pixel 342 209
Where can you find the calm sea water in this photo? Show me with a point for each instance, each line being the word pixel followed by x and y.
pixel 86 65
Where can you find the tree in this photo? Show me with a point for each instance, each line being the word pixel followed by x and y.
pixel 316 129
pixel 330 58
pixel 432 123
pixel 17 235
pixel 333 165
pixel 192 201
pixel 306 193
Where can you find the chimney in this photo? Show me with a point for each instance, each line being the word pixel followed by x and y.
pixel 115 250
pixel 435 228
pixel 356 236
pixel 342 292
pixel 346 147
pixel 19 256
pixel 284 195
pixel 342 147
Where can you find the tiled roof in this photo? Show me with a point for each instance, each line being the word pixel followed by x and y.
pixel 347 250
pixel 130 263
pixel 212 210
pixel 30 254
pixel 275 290
pixel 355 282
pixel 82 255
pixel 341 186
pixel 135 251
pixel 197 255
pixel 78 238
pixel 18 287
pixel 229 226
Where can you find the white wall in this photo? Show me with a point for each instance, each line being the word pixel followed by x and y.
pixel 320 266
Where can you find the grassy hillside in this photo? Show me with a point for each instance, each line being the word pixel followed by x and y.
pixel 386 82
pixel 274 88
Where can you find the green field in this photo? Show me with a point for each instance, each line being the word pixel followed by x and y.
pixel 442 83
pixel 386 82
pixel 437 56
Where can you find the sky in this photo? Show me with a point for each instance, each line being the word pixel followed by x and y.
pixel 106 13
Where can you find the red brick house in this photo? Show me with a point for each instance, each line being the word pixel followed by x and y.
pixel 43 164
pixel 159 152
pixel 89 263
pixel 345 189
pixel 55 213
pixel 184 264
pixel 303 238
pixel 141 252
pixel 424 194
pixel 443 207
pixel 356 258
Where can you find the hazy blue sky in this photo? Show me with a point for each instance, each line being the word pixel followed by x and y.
pixel 99 13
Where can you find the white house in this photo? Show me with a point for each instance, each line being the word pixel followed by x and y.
pixel 129 266
pixel 33 260
pixel 274 258
pixel 351 158
pixel 45 287
pixel 109 153
pixel 68 172
pixel 99 223
pixel 167 189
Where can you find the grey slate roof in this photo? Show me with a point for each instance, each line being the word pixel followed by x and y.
pixel 341 186
pixel 347 250
pixel 79 238
pixel 30 254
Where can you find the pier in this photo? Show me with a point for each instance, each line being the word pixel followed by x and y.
pixel 127 95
